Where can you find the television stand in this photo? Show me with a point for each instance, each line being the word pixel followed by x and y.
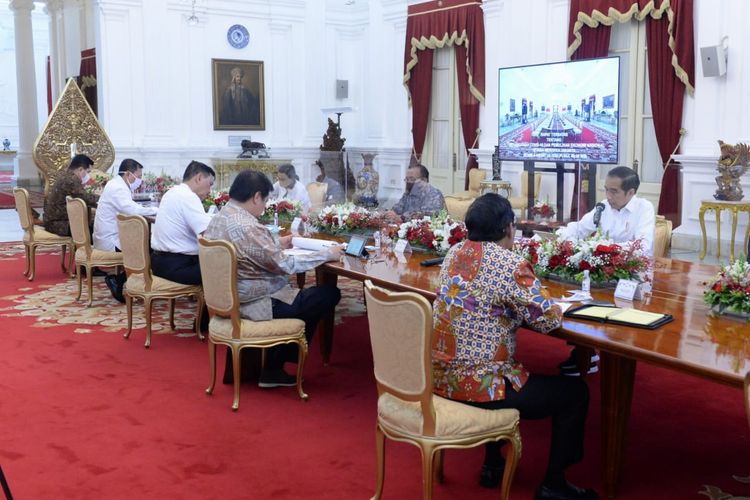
pixel 587 184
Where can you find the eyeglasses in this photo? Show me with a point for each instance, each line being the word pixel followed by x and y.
pixel 410 179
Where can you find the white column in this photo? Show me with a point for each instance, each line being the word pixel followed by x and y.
pixel 54 10
pixel 28 122
pixel 279 95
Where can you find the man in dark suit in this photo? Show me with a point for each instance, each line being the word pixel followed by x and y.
pixel 69 183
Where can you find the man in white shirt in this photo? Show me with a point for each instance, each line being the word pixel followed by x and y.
pixel 117 198
pixel 623 216
pixel 174 236
pixel 290 188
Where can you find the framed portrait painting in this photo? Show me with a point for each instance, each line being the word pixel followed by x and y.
pixel 238 95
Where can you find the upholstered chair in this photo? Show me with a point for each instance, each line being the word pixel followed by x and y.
pixel 457 207
pixel 317 192
pixel 400 335
pixel 142 284
pixel 521 202
pixel 662 236
pixel 36 236
pixel 218 261
pixel 86 256
pixel 476 176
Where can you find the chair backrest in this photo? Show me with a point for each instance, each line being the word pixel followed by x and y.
pixel 218 262
pixel 401 337
pixel 318 191
pixel 457 207
pixel 79 223
pixel 476 176
pixel 525 184
pixel 133 230
pixel 23 207
pixel 662 236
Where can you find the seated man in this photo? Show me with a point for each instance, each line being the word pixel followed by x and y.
pixel 117 198
pixel 289 187
pixel 264 270
pixel 420 197
pixel 624 217
pixel 68 183
pixel 335 193
pixel 174 236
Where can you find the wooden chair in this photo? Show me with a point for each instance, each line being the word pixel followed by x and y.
pixel 142 284
pixel 522 201
pixel 318 191
pixel 35 236
pixel 400 334
pixel 218 260
pixel 662 236
pixel 86 255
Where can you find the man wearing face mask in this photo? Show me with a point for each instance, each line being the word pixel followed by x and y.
pixel 117 198
pixel 420 197
pixel 68 183
pixel 289 187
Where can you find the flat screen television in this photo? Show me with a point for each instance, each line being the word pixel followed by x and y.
pixel 560 112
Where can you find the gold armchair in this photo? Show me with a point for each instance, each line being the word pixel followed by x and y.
pixel 400 335
pixel 522 201
pixel 35 236
pixel 86 255
pixel 662 236
pixel 317 192
pixel 218 261
pixel 142 284
pixel 458 203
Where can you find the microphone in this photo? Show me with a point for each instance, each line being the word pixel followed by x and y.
pixel 599 208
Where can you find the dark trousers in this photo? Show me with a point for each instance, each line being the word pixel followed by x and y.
pixel 177 267
pixel 310 305
pixel 565 399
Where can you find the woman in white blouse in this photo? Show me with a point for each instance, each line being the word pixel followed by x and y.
pixel 289 187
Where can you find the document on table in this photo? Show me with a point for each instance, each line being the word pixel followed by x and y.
pixel 307 246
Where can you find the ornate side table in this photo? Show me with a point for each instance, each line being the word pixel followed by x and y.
pixel 496 187
pixel 717 206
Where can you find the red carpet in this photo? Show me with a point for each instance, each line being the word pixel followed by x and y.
pixel 8 201
pixel 86 414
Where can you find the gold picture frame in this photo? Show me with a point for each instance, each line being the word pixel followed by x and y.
pixel 238 94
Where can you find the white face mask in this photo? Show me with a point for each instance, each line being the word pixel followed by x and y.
pixel 136 184
pixel 86 178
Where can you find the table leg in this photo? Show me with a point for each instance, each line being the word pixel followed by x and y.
pixel 618 374
pixel 702 220
pixel 325 327
pixel 718 232
pixel 734 230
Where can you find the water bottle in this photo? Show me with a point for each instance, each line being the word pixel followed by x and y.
pixel 376 237
pixel 275 219
pixel 586 283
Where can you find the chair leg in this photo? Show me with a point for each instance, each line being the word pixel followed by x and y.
pixel 301 277
pixel 62 258
pixel 428 460
pixel 302 350
pixel 199 318
pixel 147 305
pixel 129 307
pixel 78 280
pixel 380 458
pixel 32 263
pixel 511 462
pixel 212 366
pixel 236 372
pixel 171 314
pixel 90 283
pixel 71 259
pixel 27 253
pixel 440 455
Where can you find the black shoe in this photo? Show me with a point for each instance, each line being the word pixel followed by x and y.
pixel 98 272
pixel 491 475
pixel 575 372
pixel 567 492
pixel 572 361
pixel 114 287
pixel 276 378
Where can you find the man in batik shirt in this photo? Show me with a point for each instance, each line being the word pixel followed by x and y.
pixel 420 198
pixel 485 293
pixel 69 183
pixel 263 271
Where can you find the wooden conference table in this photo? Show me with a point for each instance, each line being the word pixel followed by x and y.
pixel 695 343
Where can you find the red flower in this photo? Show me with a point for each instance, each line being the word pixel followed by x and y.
pixel 584 265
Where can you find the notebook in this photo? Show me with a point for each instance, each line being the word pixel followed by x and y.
pixel 620 316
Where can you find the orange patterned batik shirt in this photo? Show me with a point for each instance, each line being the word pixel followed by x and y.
pixel 485 293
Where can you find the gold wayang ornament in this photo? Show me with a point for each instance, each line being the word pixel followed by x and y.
pixel 71 129
pixel 733 162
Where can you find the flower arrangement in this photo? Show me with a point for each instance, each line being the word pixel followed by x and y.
pixel 543 209
pixel 730 291
pixel 604 259
pixel 345 218
pixel 286 210
pixel 158 183
pixel 437 233
pixel 96 183
pixel 219 199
